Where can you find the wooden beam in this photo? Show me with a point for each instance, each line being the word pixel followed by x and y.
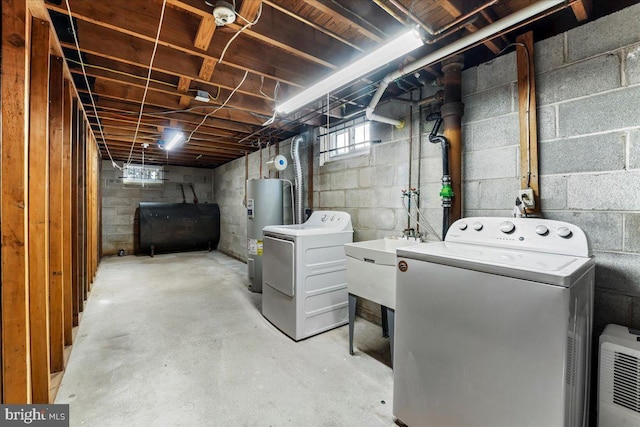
pixel 39 212
pixel 206 69
pixel 134 41
pixel 527 115
pixel 183 86
pixel 151 112
pixel 123 93
pixel 338 17
pixel 206 29
pixel 582 9
pixel 66 216
pixel 456 10
pixel 249 10
pixel 16 367
pixel 56 215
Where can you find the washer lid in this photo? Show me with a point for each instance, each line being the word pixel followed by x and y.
pixel 554 269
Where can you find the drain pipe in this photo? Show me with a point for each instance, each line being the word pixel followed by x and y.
pixel 446 192
pixel 487 33
pixel 452 111
pixel 295 157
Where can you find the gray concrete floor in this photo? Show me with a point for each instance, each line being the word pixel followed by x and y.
pixel 178 340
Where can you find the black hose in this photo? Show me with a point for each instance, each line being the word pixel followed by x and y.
pixel 445 222
pixel 445 156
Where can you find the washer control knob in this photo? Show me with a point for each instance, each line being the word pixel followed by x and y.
pixel 324 218
pixel 507 227
pixel 564 232
pixel 462 225
pixel 333 218
pixel 542 230
pixel 477 226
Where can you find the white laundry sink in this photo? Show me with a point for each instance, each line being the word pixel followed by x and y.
pixel 371 269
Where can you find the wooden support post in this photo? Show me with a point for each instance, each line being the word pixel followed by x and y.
pixel 56 214
pixel 82 222
pixel 67 269
pixel 75 269
pixel 39 212
pixel 528 121
pixel 16 367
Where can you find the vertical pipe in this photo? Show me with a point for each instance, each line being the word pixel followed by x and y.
pixel 452 112
pixel 410 161
pixel 420 130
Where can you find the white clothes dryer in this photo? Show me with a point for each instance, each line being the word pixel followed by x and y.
pixel 304 285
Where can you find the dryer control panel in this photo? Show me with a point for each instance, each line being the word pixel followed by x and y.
pixel 533 234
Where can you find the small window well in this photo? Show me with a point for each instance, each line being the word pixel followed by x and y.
pixel 343 141
pixel 143 174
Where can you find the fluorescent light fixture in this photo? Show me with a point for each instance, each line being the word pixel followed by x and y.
pixel 177 137
pixel 394 49
pixel 202 96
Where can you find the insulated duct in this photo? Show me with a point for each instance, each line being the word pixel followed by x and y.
pixel 462 44
pixel 297 170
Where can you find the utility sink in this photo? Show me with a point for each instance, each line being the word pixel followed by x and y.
pixel 371 269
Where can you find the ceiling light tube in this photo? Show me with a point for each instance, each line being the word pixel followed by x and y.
pixel 174 141
pixel 394 49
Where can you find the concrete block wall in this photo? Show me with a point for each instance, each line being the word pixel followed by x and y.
pixel 119 201
pixel 588 95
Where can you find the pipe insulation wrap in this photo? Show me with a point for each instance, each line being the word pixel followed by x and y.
pixel 297 170
pixel 460 45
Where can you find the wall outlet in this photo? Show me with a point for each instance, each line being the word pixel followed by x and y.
pixel 526 195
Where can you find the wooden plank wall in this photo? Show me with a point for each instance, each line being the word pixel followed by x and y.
pixel 49 208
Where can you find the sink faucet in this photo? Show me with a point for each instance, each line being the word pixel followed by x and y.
pixel 409 232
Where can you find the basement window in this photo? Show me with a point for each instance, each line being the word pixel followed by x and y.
pixel 143 174
pixel 346 140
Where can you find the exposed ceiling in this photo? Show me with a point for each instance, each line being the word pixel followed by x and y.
pixel 291 45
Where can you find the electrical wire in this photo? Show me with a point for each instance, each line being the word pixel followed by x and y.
pixel 86 81
pixel 246 73
pixel 146 88
pixel 249 24
pixel 275 90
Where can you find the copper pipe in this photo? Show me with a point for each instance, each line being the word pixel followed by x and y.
pixel 411 16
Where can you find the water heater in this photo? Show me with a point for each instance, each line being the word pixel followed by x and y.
pixel 264 207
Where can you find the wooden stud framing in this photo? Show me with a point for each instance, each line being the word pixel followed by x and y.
pixel 39 212
pixel 16 367
pixel 582 9
pixel 75 280
pixel 66 217
pixel 56 215
pixel 527 112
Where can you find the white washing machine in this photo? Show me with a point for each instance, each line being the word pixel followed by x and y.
pixel 304 285
pixel 493 326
